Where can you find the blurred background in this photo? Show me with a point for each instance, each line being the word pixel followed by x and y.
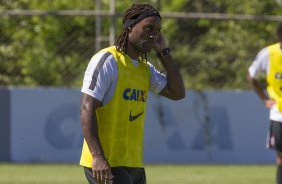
pixel 49 43
pixel 45 47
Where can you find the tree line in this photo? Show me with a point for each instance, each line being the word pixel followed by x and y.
pixel 55 50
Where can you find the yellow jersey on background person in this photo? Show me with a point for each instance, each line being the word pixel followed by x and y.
pixel 269 62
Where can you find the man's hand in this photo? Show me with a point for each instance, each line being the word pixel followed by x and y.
pixel 102 171
pixel 269 103
pixel 160 43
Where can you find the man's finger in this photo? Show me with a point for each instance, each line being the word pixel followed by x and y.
pixel 96 176
pixel 100 176
pixel 109 174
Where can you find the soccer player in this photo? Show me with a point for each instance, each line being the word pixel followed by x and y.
pixel 269 62
pixel 114 96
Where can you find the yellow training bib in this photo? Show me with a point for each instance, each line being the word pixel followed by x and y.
pixel 274 76
pixel 121 121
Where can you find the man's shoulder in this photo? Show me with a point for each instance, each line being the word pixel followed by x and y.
pixel 263 53
pixel 277 44
pixel 109 49
pixel 104 52
pixel 274 47
pixel 102 55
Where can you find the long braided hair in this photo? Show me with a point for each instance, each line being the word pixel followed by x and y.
pixel 134 11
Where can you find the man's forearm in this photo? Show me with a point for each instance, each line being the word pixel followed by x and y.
pixel 90 133
pixel 174 79
pixel 89 125
pixel 258 89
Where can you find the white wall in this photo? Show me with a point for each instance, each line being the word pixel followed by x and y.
pixel 208 127
pixel 45 125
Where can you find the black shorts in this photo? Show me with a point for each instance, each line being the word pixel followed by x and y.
pixel 122 175
pixel 274 139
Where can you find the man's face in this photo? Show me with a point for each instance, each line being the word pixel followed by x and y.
pixel 142 35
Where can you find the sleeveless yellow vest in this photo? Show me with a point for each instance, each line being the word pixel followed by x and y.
pixel 274 76
pixel 121 121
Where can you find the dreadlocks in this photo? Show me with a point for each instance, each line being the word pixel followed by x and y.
pixel 133 12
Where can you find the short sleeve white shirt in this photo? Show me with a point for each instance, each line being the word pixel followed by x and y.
pixel 105 73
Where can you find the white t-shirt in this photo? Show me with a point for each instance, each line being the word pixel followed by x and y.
pixel 106 77
pixel 260 66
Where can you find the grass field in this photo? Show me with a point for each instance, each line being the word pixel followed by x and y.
pixel 156 174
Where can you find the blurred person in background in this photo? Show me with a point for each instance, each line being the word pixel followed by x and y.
pixel 114 96
pixel 269 63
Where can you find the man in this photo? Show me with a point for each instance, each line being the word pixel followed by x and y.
pixel 269 62
pixel 114 95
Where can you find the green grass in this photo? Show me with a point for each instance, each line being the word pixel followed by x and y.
pixel 156 174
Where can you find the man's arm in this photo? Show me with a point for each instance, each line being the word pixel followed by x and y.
pixel 100 165
pixel 175 87
pixel 260 92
